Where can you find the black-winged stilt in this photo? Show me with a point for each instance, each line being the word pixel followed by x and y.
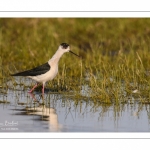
pixel 47 71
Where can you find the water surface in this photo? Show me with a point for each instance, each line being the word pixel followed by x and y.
pixel 28 113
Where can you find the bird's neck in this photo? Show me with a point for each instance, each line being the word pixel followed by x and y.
pixel 56 57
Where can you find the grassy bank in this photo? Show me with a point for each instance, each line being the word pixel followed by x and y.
pixel 115 65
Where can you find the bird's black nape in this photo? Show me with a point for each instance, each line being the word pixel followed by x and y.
pixel 64 45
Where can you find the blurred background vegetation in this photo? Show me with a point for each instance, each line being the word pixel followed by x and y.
pixel 33 41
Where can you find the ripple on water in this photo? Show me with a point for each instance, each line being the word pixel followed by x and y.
pixel 27 113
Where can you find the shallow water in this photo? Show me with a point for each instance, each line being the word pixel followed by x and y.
pixel 27 113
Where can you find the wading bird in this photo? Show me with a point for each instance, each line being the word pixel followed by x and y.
pixel 47 71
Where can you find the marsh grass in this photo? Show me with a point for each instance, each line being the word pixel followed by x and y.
pixel 114 68
pixel 1 76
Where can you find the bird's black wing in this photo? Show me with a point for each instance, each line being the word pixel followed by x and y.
pixel 35 71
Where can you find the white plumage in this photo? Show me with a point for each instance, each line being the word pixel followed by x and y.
pixel 47 71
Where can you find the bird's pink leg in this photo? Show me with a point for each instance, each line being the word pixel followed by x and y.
pixel 33 88
pixel 33 97
pixel 43 89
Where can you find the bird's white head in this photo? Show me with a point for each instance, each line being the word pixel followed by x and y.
pixel 64 47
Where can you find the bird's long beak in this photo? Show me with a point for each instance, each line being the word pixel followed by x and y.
pixel 74 53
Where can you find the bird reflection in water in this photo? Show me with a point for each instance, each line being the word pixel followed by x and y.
pixel 46 112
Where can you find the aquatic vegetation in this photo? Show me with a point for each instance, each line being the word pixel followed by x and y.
pixel 115 56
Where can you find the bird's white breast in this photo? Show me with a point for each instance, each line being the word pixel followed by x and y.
pixel 50 75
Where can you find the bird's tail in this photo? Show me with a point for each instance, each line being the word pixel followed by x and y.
pixel 19 74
